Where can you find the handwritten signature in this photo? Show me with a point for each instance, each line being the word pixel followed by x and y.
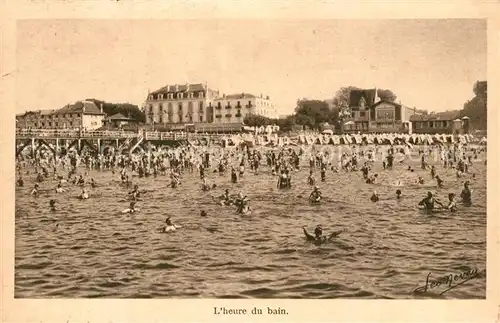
pixel 449 281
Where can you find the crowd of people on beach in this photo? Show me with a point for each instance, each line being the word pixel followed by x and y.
pixel 71 172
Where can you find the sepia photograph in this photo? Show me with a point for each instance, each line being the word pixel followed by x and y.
pixel 251 159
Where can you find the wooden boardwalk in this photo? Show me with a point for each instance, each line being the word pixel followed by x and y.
pixel 98 141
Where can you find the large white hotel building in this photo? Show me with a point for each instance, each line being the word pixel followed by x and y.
pixel 197 103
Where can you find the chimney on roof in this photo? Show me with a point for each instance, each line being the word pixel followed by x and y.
pixel 101 106
pixel 187 86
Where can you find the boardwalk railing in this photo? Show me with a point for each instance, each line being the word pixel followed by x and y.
pixel 107 134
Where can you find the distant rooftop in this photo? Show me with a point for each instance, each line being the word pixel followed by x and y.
pixel 85 107
pixel 197 87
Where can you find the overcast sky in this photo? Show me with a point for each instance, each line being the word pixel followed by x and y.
pixel 430 64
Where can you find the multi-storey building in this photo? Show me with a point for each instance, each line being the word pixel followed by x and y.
pixel 179 105
pixel 234 108
pixel 189 103
pixel 80 115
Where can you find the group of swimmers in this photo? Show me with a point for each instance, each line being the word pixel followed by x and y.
pixel 281 163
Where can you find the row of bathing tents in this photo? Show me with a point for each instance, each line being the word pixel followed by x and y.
pixel 384 139
pixel 348 139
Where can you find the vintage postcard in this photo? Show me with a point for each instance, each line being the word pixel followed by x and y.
pixel 249 161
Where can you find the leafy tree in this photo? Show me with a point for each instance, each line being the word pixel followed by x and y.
pixel 127 109
pixel 255 120
pixel 477 107
pixel 480 88
pixel 386 95
pixel 313 113
pixel 286 124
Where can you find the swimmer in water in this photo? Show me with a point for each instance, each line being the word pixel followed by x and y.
pixel 315 196
pixel 398 194
pixel 20 182
pixel 135 193
pixel 374 198
pixel 318 237
pixel 429 201
pixel 34 192
pixel 203 213
pixel 466 195
pixel 59 188
pixel 439 181
pixel 52 205
pixel 204 185
pixel 452 205
pixel 311 179
pixel 242 204
pixel 234 177
pixel 170 226
pixel 84 194
pixel 372 179
pixel 420 181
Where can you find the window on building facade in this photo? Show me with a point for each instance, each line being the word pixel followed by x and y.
pixel 160 96
pixel 352 114
pixel 150 97
pixel 200 94
pixel 200 106
pixel 160 108
pixel 385 115
pixel 362 114
pixel 431 124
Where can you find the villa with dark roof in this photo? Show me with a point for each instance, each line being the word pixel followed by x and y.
pixel 371 115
